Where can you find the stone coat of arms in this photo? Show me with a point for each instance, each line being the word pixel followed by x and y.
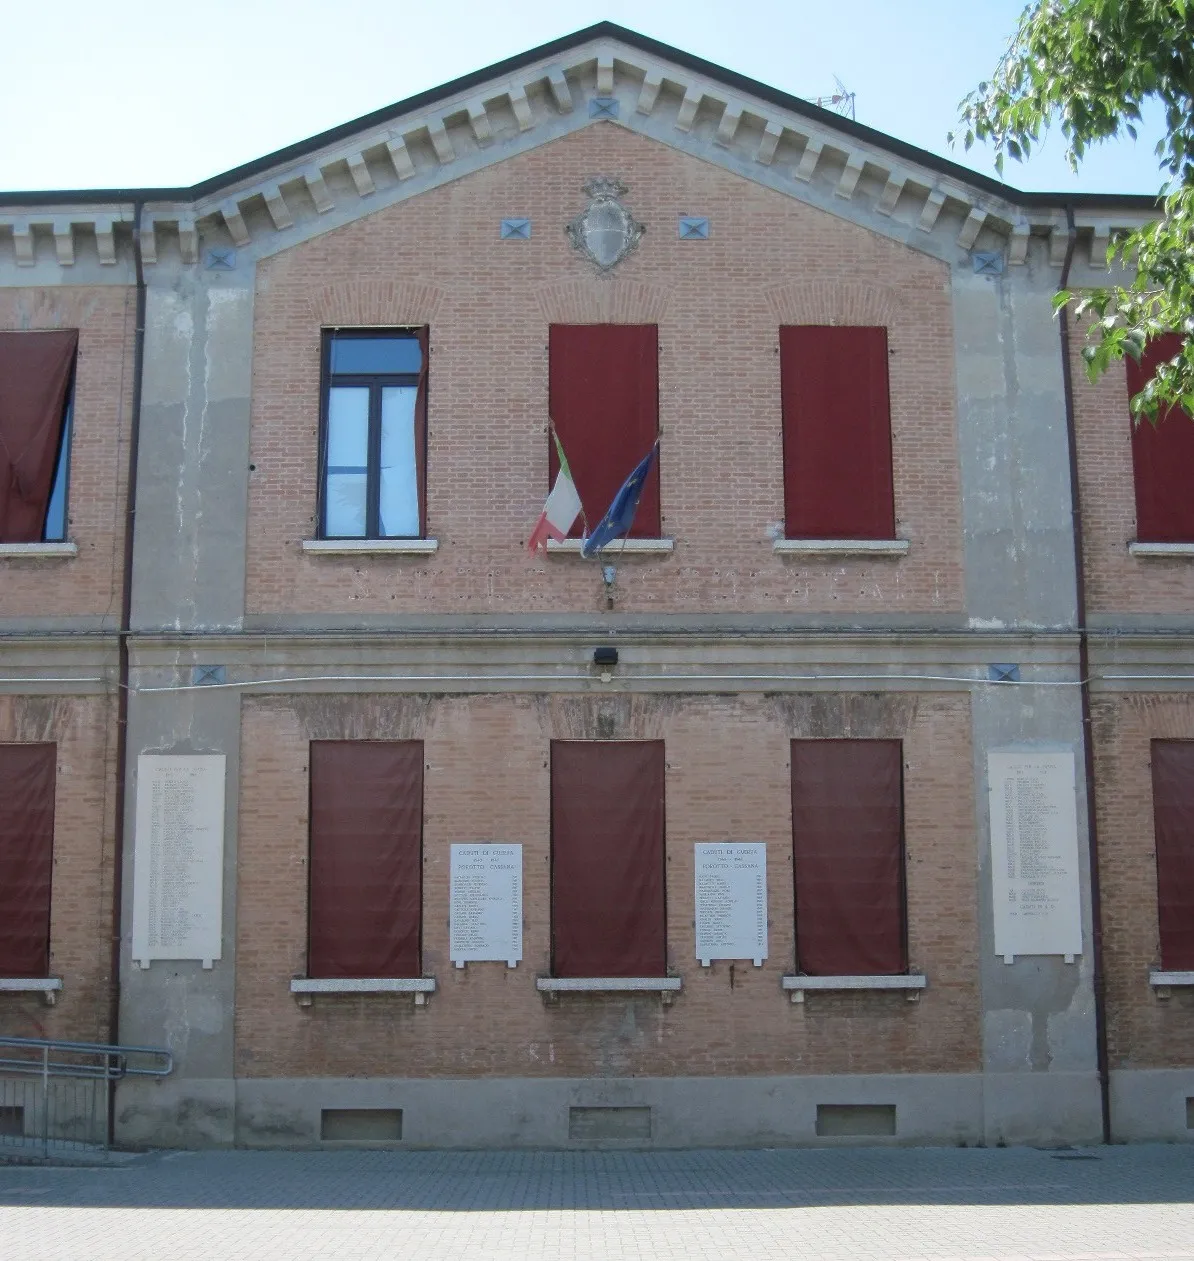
pixel 605 231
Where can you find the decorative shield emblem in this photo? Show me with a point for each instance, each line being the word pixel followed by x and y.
pixel 606 231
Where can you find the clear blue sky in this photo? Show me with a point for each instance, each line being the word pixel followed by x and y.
pixel 94 95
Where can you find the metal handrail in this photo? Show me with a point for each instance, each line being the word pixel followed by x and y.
pixel 109 1062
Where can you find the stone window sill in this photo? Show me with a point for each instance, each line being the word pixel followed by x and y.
pixel 553 986
pixel 911 984
pixel 38 551
pixel 1163 982
pixel 371 547
pixel 1160 549
pixel 304 987
pixel 620 547
pixel 47 986
pixel 841 547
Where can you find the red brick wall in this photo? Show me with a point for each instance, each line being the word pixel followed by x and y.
pixel 1115 581
pixel 89 584
pixel 84 730
pixel 1142 1030
pixel 487 778
pixel 437 259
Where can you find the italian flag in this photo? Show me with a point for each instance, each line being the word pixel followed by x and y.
pixel 561 509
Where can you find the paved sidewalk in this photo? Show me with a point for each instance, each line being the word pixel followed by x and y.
pixel 1103 1203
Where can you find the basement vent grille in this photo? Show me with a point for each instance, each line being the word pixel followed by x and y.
pixel 856 1120
pixel 360 1125
pixel 599 1124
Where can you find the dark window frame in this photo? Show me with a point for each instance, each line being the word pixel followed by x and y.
pixel 903 864
pixel 665 924
pixel 375 382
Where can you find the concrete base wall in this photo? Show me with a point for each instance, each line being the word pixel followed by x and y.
pixel 964 1109
pixel 1153 1104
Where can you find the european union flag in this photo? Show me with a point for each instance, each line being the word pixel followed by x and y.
pixel 620 515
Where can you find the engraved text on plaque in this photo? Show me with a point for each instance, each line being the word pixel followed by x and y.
pixel 731 902
pixel 486 905
pixel 178 858
pixel 1034 854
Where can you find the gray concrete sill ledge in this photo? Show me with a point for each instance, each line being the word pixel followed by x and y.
pixel 621 547
pixel 841 547
pixel 47 986
pixel 911 984
pixel 1161 549
pixel 371 547
pixel 666 985
pixel 1163 982
pixel 38 551
pixel 304 987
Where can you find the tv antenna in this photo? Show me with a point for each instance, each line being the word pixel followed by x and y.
pixel 841 102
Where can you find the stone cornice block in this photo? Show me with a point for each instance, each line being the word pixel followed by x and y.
pixel 605 74
pixel 648 94
pixel 560 91
pixel 772 134
pixel 932 208
pixel 279 211
pixel 404 166
pixel 362 181
pixel 521 105
pixel 688 107
pixel 809 159
pixel 317 186
pixel 849 178
pixel 64 242
pixel 972 227
pixel 235 222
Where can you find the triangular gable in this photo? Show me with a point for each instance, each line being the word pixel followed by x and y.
pixel 604 74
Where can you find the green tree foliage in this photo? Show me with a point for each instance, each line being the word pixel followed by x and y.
pixel 1089 66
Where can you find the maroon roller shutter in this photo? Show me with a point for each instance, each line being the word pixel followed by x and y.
pixel 603 395
pixel 366 858
pixel 27 774
pixel 35 373
pixel 1162 457
pixel 1173 819
pixel 837 433
pixel 848 854
pixel 608 912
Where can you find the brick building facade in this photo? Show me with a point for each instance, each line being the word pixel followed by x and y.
pixel 804 610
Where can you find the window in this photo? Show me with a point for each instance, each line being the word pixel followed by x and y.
pixel 608 910
pixel 27 777
pixel 603 397
pixel 1162 457
pixel 366 869
pixel 848 857
pixel 837 433
pixel 1173 820
pixel 374 445
pixel 36 379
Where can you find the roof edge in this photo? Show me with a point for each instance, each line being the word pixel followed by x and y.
pixel 610 30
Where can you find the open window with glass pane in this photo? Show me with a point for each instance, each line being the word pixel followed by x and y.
pixel 37 372
pixel 373 450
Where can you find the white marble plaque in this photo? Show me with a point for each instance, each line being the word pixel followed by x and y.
pixel 486 904
pixel 1034 854
pixel 731 902
pixel 178 858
